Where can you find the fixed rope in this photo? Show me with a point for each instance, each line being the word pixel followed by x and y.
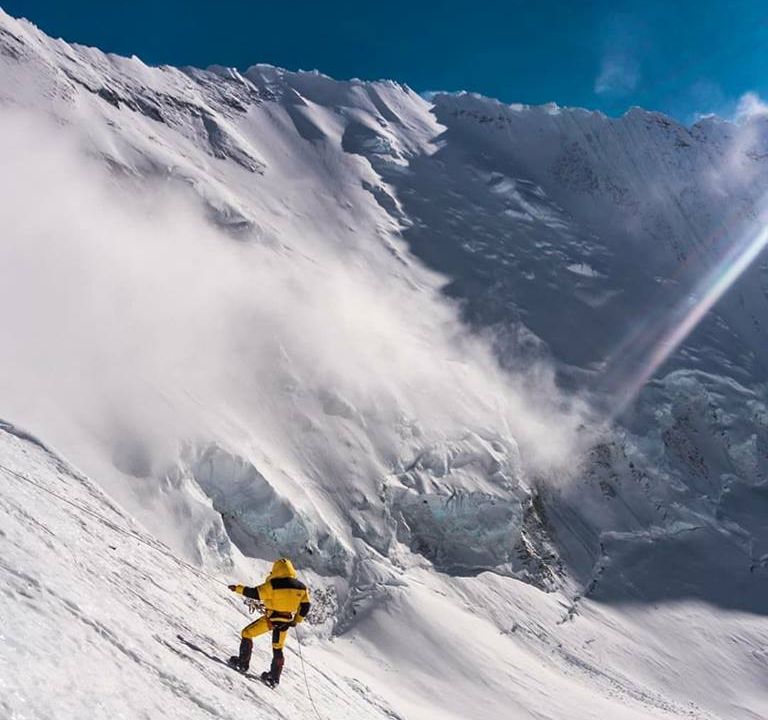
pixel 306 680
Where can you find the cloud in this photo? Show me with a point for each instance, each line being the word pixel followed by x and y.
pixel 750 105
pixel 712 102
pixel 619 74
pixel 624 41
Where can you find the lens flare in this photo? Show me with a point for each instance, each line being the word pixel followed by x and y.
pixel 658 337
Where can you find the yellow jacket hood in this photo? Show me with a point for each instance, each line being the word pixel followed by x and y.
pixel 283 568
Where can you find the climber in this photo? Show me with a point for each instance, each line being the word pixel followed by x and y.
pixel 285 601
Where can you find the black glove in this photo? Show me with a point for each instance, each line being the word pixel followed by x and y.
pixel 233 588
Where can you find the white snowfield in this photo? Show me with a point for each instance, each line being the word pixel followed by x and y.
pixel 267 313
pixel 99 620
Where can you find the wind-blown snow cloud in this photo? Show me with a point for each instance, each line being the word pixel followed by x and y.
pixel 750 105
pixel 134 326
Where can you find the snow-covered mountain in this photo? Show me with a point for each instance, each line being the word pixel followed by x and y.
pixel 405 342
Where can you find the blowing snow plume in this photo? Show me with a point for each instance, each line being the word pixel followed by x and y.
pixel 163 356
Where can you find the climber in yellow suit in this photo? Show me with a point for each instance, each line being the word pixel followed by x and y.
pixel 286 604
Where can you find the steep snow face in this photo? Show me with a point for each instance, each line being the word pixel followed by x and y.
pixel 606 221
pixel 241 301
pixel 100 620
pixel 594 242
pixel 237 317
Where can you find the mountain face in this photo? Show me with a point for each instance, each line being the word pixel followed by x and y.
pixel 445 354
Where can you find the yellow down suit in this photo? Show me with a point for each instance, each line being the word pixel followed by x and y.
pixel 286 604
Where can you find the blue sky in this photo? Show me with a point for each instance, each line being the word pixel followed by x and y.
pixel 678 56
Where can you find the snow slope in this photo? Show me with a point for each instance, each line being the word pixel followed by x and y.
pixel 272 313
pixel 102 620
